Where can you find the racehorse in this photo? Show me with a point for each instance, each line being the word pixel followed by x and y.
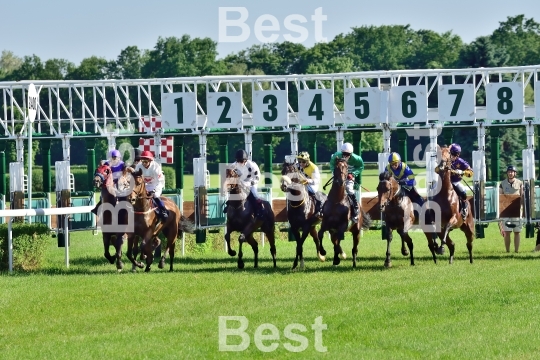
pixel 103 180
pixel 240 217
pixel 148 228
pixel 301 212
pixel 448 202
pixel 337 214
pixel 399 215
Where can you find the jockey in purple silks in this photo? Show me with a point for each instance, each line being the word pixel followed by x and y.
pixel 117 167
pixel 459 168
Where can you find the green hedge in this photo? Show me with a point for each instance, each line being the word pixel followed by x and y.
pixel 29 244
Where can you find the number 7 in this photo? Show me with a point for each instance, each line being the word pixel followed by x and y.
pixel 459 96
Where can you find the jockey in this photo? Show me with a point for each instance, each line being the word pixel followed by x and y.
pixel 459 168
pixel 117 167
pixel 404 176
pixel 116 164
pixel 154 180
pixel 311 171
pixel 250 176
pixel 356 165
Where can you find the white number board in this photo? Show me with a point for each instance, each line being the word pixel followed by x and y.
pixel 178 110
pixel 32 102
pixel 224 110
pixel 456 103
pixel 316 107
pixel 504 101
pixel 537 99
pixel 270 108
pixel 363 106
pixel 408 104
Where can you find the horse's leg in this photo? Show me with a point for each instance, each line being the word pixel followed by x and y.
pixel 228 232
pixel 405 237
pixel 388 260
pixel 341 236
pixel 170 250
pixel 270 235
pixel 451 247
pixel 431 245
pixel 468 228
pixel 315 236
pixel 320 235
pixel 296 233
pixel 255 246
pixel 356 241
pixel 335 241
pixel 106 245
pixel 131 254
pixel 241 240
pixel 118 242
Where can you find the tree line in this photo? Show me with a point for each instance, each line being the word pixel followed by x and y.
pixel 516 42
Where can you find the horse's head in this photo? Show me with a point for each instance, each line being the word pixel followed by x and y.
pixel 341 170
pixel 446 162
pixel 232 180
pixel 290 175
pixel 386 189
pixel 138 192
pixel 102 176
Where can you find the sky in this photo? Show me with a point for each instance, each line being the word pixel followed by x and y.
pixel 74 30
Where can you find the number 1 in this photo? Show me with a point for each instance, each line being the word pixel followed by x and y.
pixel 179 110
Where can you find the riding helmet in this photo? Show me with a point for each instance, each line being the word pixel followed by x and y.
pixel 394 158
pixel 241 155
pixel 347 148
pixel 304 155
pixel 147 155
pixel 455 149
pixel 115 153
pixel 137 154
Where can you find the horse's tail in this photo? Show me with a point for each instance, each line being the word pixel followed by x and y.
pixel 185 225
pixel 366 220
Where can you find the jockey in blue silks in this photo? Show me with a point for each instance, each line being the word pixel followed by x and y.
pixel 404 176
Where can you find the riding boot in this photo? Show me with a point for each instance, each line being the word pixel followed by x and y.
pixel 95 210
pixel 259 211
pixel 318 206
pixel 163 212
pixel 354 203
pixel 465 207
pixel 417 198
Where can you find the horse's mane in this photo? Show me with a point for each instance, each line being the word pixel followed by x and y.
pixel 385 175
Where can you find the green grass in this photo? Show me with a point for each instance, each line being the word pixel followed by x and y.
pixel 486 310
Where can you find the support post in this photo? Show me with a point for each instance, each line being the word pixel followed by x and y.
pixel 495 154
pixel 312 146
pixel 402 140
pixel 46 153
pixel 340 137
pixel 357 145
pixel 90 160
pixel 248 139
pixel 268 154
pixel 294 141
pixel 179 156
pixel 19 144
pixel 3 169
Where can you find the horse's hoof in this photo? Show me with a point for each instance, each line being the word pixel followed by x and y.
pixel 240 264
pixel 343 256
pixel 161 264
pixel 322 258
pixel 440 250
pixel 119 265
pixel 133 268
pixel 336 261
pixel 387 264
pixel 451 260
pixel 147 269
pixel 323 252
pixel 232 253
pixel 404 253
pixel 140 265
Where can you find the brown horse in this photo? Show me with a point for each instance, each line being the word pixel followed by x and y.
pixel 399 214
pixel 148 226
pixel 448 205
pixel 240 217
pixel 300 212
pixel 337 214
pixel 103 180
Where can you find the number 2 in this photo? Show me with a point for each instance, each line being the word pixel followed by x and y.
pixel 223 119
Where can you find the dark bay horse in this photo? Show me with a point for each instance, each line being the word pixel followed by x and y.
pixel 448 205
pixel 399 214
pixel 148 228
pixel 103 180
pixel 241 218
pixel 301 212
pixel 337 214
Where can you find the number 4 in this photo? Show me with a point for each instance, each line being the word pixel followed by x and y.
pixel 315 109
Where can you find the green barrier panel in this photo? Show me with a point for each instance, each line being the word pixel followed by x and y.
pixel 490 203
pixel 81 221
pixel 37 204
pixel 2 207
pixel 537 202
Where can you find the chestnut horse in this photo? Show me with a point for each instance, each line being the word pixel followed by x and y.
pixel 301 212
pixel 448 201
pixel 148 225
pixel 241 218
pixel 399 215
pixel 103 180
pixel 337 214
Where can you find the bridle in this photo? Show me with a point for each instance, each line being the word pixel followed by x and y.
pixel 140 194
pixel 338 174
pixel 297 174
pixel 392 193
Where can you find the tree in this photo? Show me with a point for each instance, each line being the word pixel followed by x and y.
pixel 8 63
pixel 92 68
pixel 434 51
pixel 482 52
pixel 521 39
pixel 31 68
pixel 129 63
